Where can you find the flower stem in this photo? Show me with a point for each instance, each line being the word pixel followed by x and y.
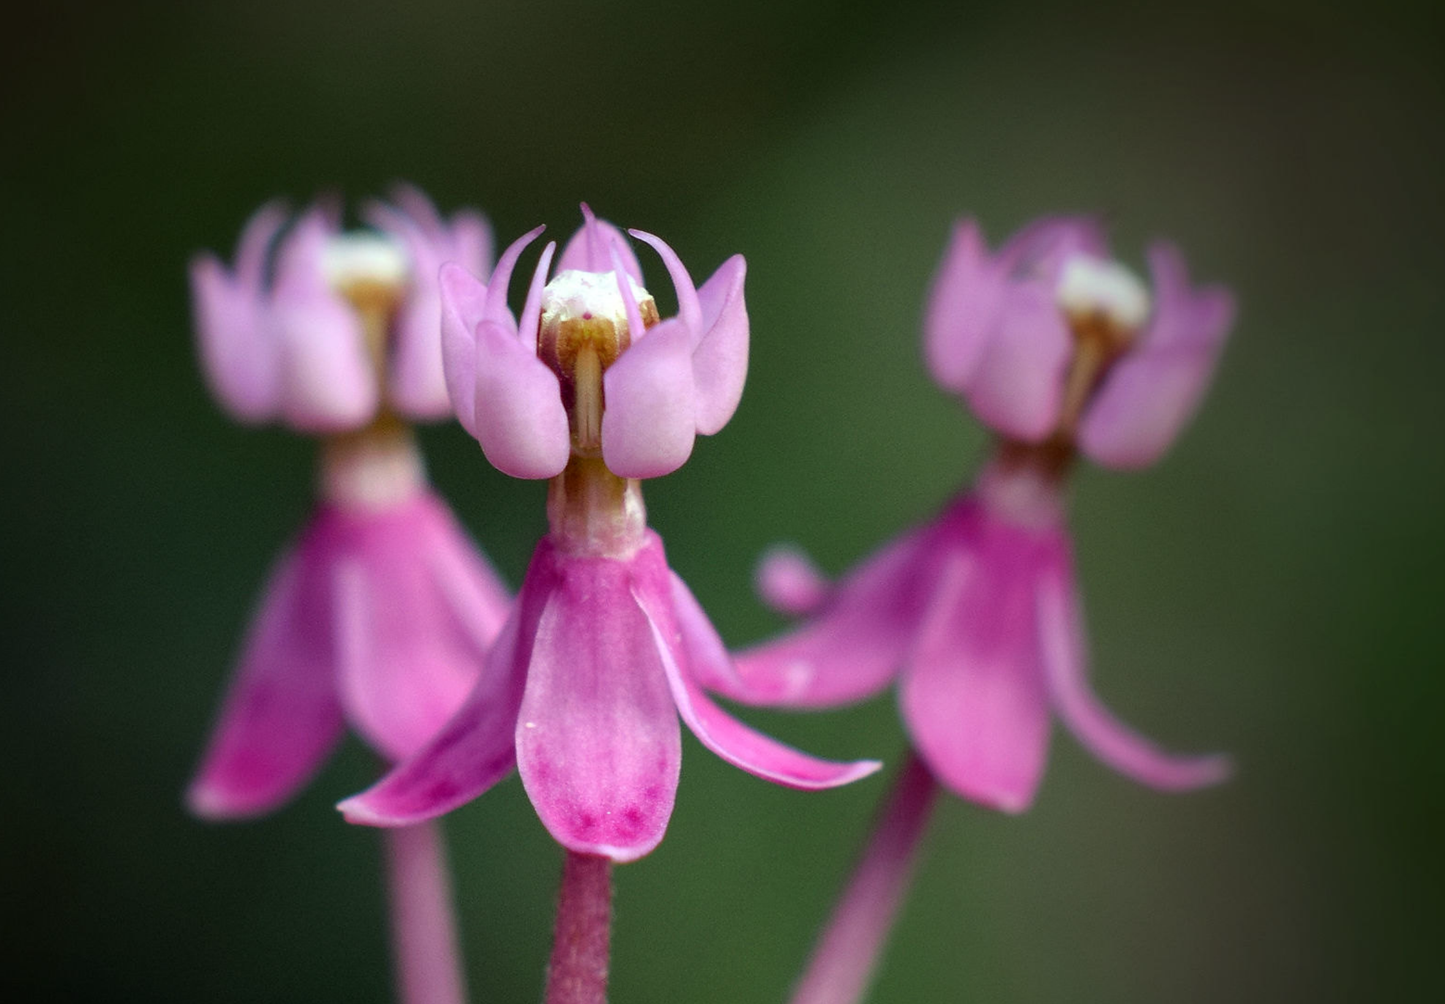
pixel 577 971
pixel 845 956
pixel 423 929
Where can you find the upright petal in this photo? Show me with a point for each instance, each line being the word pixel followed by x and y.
pixel 720 361
pixel 237 346
pixel 408 660
pixel 519 417
pixel 1017 385
pixel 729 738
pixel 973 695
pixel 963 307
pixel 1061 644
pixel 1153 391
pixel 852 650
pixel 587 250
pixel 463 302
pixel 598 744
pixel 416 383
pixel 281 716
pixel 648 423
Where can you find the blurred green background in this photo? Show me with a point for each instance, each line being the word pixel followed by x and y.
pixel 1271 589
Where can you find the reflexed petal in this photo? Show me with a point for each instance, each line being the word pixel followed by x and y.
pixel 598 744
pixel 973 696
pixel 586 251
pixel 408 654
pixel 238 351
pixel 787 580
pixel 708 661
pixel 1061 642
pixel 729 738
pixel 963 308
pixel 281 716
pixel 519 421
pixel 852 650
pixel 1017 385
pixel 463 299
pixel 1153 391
pixel 647 422
pixel 720 360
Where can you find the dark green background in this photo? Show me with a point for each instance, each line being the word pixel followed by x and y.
pixel 1270 589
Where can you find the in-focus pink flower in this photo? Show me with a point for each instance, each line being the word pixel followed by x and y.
pixel 1058 349
pixel 381 613
pixel 606 646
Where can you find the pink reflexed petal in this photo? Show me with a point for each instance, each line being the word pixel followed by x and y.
pixel 708 661
pixel 598 744
pixel 729 738
pixel 1017 385
pixel 1151 393
pixel 475 749
pixel 647 420
pixel 520 421
pixel 853 649
pixel 688 307
pixel 789 582
pixel 1061 643
pixel 463 302
pixel 495 307
pixel 529 328
pixel 237 347
pixel 281 716
pixel 963 306
pixel 586 251
pixel 408 660
pixel 720 360
pixel 417 385
pixel 973 696
pixel 327 383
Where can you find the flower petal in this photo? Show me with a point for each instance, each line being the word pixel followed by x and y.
pixel 963 306
pixel 1017 385
pixel 408 655
pixel 598 744
pixel 281 716
pixel 1062 648
pixel 237 347
pixel 416 384
pixel 475 749
pixel 519 418
pixel 586 250
pixel 463 302
pixel 853 649
pixel 1150 394
pixel 707 659
pixel 787 581
pixel 720 360
pixel 973 695
pixel 729 738
pixel 647 419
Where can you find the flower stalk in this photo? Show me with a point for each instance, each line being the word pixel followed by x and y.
pixel 425 959
pixel 577 971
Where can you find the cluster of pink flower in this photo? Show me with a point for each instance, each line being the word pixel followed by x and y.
pixel 384 617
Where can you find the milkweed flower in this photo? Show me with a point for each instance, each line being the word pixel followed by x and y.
pixel 380 614
pixel 1059 350
pixel 606 647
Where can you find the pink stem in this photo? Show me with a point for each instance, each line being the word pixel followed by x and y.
pixel 423 929
pixel 845 956
pixel 577 972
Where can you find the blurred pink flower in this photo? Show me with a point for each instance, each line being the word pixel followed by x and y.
pixel 382 611
pixel 606 646
pixel 1058 350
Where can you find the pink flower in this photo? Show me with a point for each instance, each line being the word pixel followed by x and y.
pixel 606 646
pixel 381 612
pixel 1058 350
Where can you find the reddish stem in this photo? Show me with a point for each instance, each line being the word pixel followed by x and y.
pixel 577 972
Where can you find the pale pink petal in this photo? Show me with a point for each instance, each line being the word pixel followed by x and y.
pixel 529 327
pixel 407 660
pixel 281 716
pixel 852 650
pixel 416 384
pixel 237 347
pixel 471 241
pixel 963 307
pixel 598 743
pixel 647 422
pixel 708 660
pixel 688 307
pixel 1017 385
pixel 475 749
pixel 1151 393
pixel 463 302
pixel 720 360
pixel 789 582
pixel 519 417
pixel 1061 642
pixel 495 307
pixel 973 696
pixel 419 209
pixel 1037 252
pixel 586 251
pixel 729 738
pixel 327 382
pixel 254 247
